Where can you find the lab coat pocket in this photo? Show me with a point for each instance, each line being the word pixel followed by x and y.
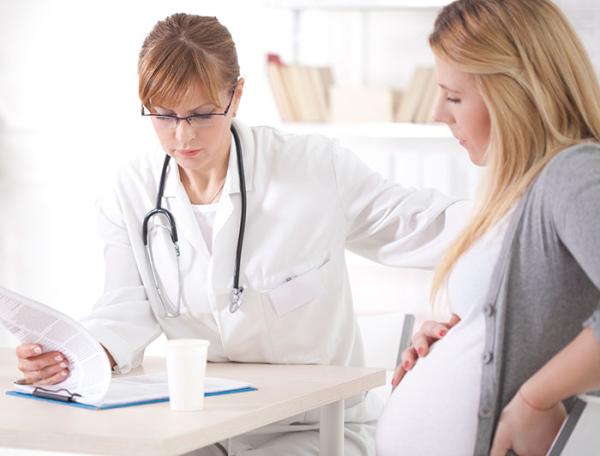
pixel 297 291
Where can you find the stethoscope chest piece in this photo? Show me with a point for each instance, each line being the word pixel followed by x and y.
pixel 236 299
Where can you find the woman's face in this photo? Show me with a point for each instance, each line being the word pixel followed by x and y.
pixel 462 108
pixel 203 142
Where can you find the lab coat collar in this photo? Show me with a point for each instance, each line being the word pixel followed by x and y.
pixel 173 185
pixel 178 200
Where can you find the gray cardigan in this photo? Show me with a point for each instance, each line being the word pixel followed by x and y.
pixel 546 282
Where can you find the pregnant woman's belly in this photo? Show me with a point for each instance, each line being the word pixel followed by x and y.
pixel 433 411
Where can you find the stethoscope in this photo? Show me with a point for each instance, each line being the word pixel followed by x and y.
pixel 171 310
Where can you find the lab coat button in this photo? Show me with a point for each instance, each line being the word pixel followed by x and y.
pixel 486 358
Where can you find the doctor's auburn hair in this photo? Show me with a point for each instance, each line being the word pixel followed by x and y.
pixel 185 50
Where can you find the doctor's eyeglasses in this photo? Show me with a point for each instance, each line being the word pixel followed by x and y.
pixel 170 121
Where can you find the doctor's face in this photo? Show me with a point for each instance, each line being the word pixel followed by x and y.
pixel 462 108
pixel 201 141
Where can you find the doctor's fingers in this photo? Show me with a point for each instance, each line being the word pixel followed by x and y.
pixel 40 362
pixel 28 350
pixel 47 376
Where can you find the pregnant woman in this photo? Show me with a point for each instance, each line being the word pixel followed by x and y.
pixel 520 94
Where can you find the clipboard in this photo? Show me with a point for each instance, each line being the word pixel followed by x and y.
pixel 65 397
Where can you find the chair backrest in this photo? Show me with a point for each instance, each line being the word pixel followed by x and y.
pixel 579 432
pixel 385 335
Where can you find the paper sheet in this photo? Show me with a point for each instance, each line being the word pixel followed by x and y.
pixel 154 386
pixel 32 322
pixel 91 377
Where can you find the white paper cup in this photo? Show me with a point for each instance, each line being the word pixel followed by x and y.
pixel 186 368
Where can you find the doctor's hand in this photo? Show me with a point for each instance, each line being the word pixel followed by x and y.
pixel 526 429
pixel 429 333
pixel 41 368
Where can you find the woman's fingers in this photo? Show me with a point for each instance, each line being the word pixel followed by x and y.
pixel 419 339
pixel 398 375
pixel 500 446
pixel 429 332
pixel 409 357
pixel 454 320
pixel 421 344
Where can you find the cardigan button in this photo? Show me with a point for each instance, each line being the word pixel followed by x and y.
pixel 485 411
pixel 489 310
pixel 486 358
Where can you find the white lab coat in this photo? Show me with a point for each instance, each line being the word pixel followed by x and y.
pixel 308 200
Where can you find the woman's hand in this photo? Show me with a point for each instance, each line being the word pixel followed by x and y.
pixel 429 333
pixel 41 368
pixel 527 429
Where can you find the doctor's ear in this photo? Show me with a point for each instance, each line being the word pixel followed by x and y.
pixel 238 95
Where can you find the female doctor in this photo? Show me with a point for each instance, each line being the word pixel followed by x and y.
pixel 238 234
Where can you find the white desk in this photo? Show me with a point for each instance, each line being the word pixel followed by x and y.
pixel 155 430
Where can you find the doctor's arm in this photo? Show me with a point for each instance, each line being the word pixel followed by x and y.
pixel 122 319
pixel 390 224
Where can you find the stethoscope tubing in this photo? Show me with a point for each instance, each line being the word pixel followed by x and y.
pixel 237 291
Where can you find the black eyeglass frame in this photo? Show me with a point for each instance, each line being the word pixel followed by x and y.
pixel 189 119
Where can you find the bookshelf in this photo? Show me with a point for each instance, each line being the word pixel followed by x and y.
pixel 359 11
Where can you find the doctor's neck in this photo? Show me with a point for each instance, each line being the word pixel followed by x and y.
pixel 203 183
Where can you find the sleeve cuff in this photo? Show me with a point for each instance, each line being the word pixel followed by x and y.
pixel 118 348
pixel 594 323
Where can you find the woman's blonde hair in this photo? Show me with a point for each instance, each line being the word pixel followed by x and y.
pixel 185 50
pixel 539 87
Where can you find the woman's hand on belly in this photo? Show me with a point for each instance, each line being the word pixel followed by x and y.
pixel 428 334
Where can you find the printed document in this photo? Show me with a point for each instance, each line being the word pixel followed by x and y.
pixel 90 380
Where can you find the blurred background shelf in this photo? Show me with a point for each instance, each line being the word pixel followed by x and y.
pixel 351 5
pixel 389 130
